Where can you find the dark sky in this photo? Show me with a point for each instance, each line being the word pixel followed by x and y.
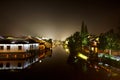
pixel 57 19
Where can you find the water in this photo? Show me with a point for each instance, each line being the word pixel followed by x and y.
pixel 53 65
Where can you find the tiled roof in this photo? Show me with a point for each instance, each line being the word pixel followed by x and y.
pixel 9 41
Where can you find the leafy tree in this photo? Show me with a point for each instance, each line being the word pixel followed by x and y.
pixel 103 42
pixel 84 36
pixel 74 41
pixel 108 41
pixel 79 39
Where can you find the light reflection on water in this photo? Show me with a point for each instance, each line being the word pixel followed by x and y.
pixel 22 63
pixel 60 66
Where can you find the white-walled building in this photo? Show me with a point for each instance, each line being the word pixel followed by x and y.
pixel 10 48
pixel 17 53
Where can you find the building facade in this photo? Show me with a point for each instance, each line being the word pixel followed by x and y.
pixel 17 48
pixel 17 53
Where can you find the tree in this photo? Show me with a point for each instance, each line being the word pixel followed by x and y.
pixel 107 40
pixel 78 40
pixel 74 42
pixel 82 28
pixel 110 40
pixel 103 41
pixel 84 35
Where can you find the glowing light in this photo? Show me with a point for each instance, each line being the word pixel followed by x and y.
pixel 96 50
pixel 40 61
pixel 65 46
pixel 95 43
pixel 13 42
pixel 66 42
pixel 67 50
pixel 75 57
pixel 92 48
pixel 97 39
pixel 82 56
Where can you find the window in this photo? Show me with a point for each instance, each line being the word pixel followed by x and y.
pixel 8 47
pixel 31 46
pixel 19 47
pixel 19 64
pixel 8 65
pixel 1 47
pixel 1 64
pixel 34 46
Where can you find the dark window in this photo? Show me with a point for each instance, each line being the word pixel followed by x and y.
pixel 19 64
pixel 8 65
pixel 8 47
pixel 1 47
pixel 19 47
pixel 34 46
pixel 31 46
pixel 1 64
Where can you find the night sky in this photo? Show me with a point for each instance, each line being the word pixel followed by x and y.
pixel 57 19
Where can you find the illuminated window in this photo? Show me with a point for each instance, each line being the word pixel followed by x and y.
pixel 19 47
pixel 1 47
pixel 8 47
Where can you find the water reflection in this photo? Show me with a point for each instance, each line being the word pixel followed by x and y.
pixel 84 68
pixel 78 63
pixel 19 63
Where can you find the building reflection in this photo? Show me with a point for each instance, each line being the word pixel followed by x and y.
pixel 21 61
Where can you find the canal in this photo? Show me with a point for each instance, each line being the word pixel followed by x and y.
pixel 53 66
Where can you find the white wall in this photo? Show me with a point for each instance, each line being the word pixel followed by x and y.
pixel 14 47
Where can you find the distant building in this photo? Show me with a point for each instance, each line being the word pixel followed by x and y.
pixel 44 43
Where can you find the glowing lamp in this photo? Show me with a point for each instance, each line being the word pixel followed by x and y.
pixel 82 56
